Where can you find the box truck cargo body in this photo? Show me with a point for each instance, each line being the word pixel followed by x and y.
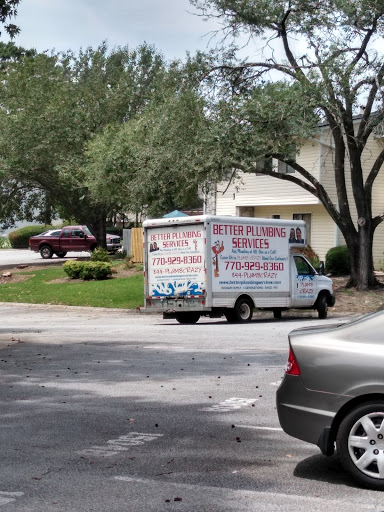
pixel 213 266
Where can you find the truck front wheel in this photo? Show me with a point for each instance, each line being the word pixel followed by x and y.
pixel 46 252
pixel 187 318
pixel 322 306
pixel 242 311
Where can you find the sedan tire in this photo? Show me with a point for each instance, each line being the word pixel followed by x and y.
pixel 360 444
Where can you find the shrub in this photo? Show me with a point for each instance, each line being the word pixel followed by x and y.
pixel 73 268
pixel 100 254
pixel 337 261
pixel 4 242
pixel 88 270
pixel 113 230
pixel 19 238
pixel 311 256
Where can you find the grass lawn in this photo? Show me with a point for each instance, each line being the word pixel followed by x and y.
pixel 52 286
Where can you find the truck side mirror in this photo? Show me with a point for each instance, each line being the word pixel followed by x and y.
pixel 320 270
pixel 82 234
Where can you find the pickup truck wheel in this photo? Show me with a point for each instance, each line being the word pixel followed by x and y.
pixel 322 306
pixel 187 318
pixel 243 311
pixel 61 254
pixel 46 252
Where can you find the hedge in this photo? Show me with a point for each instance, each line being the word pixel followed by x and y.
pixel 337 261
pixel 88 270
pixel 19 238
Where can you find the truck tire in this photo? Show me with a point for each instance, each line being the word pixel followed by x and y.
pixel 277 313
pixel 61 254
pixel 46 252
pixel 322 306
pixel 243 311
pixel 187 318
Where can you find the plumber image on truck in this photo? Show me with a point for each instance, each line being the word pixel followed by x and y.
pixel 214 266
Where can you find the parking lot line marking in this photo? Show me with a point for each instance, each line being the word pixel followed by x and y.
pixel 8 497
pixel 255 427
pixel 122 443
pixel 230 404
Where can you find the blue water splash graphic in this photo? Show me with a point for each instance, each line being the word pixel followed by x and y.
pixel 176 288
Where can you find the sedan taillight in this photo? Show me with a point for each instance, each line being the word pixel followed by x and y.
pixel 292 364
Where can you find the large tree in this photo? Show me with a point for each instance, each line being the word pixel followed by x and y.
pixel 157 159
pixel 52 106
pixel 330 57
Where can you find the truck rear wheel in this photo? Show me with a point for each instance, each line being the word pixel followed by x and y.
pixel 242 311
pixel 187 318
pixel 46 252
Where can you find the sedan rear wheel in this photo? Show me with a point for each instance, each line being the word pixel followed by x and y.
pixel 360 444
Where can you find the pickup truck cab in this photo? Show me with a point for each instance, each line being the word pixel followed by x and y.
pixel 70 239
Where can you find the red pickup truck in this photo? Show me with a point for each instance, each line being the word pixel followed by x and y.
pixel 69 239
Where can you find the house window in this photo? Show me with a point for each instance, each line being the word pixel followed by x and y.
pixel 265 164
pixel 285 168
pixel 275 216
pixel 307 218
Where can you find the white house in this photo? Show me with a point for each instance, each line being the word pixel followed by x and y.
pixel 257 195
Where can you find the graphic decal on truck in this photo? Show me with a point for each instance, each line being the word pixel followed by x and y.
pixel 217 249
pixel 252 257
pixel 176 265
pixel 175 288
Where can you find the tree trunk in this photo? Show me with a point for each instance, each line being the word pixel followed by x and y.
pixel 360 251
pixel 98 228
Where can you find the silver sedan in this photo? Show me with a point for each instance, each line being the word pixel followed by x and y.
pixel 332 394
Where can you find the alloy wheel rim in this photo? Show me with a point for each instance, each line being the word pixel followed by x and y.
pixel 366 444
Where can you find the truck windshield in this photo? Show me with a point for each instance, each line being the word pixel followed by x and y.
pixel 86 231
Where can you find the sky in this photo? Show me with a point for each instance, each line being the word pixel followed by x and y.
pixel 70 24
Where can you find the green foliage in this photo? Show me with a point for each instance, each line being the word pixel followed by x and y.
pixel 4 242
pixel 47 286
pixel 52 105
pixel 156 159
pixel 337 261
pixel 311 256
pixel 100 254
pixel 8 9
pixel 113 230
pixel 88 270
pixel 19 238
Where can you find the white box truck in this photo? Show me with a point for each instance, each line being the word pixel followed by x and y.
pixel 213 266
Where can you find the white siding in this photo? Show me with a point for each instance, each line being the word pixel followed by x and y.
pixel 270 196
